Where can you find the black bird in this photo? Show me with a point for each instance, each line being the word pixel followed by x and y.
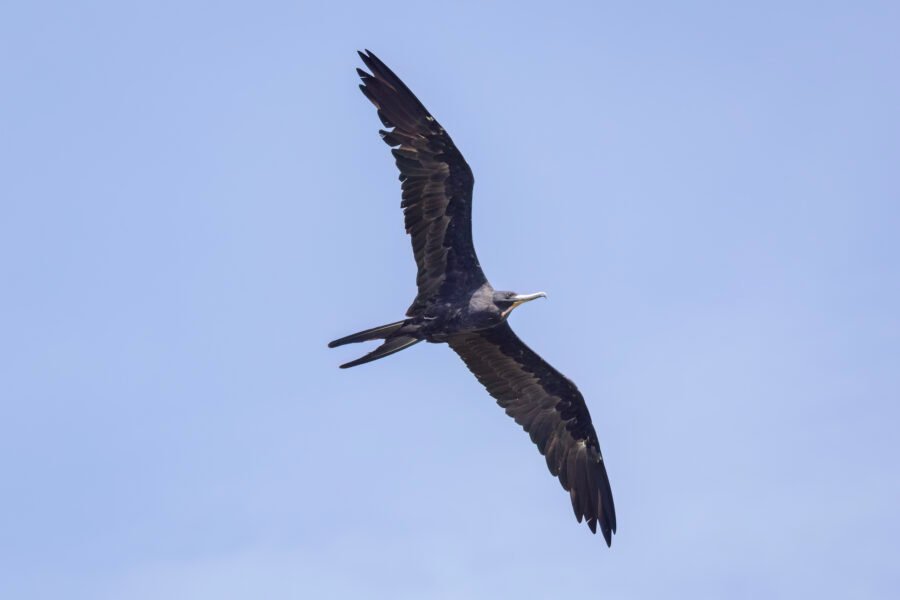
pixel 456 304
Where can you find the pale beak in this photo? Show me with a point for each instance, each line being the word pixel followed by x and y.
pixel 521 299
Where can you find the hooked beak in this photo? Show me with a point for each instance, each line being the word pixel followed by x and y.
pixel 520 298
pixel 523 298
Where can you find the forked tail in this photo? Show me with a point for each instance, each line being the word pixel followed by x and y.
pixel 394 338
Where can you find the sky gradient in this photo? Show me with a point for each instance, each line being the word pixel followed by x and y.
pixel 195 200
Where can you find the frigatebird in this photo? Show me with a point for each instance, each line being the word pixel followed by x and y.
pixel 456 304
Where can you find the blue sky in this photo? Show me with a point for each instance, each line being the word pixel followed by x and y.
pixel 195 200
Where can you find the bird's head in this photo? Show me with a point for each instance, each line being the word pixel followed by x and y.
pixel 507 301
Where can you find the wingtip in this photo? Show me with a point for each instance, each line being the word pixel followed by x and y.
pixel 368 57
pixel 607 535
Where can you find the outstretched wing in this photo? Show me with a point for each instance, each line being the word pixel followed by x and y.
pixel 437 188
pixel 552 410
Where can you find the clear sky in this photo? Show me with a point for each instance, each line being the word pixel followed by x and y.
pixel 195 201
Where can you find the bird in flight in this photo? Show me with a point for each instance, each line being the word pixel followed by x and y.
pixel 456 304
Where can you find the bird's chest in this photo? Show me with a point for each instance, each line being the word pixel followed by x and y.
pixel 442 322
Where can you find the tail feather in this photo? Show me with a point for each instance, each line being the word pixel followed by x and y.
pixel 376 333
pixel 389 347
pixel 395 339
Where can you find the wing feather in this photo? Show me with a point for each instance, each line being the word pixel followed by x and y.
pixel 553 412
pixel 436 188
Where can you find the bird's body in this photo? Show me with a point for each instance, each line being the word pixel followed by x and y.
pixel 440 321
pixel 457 305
